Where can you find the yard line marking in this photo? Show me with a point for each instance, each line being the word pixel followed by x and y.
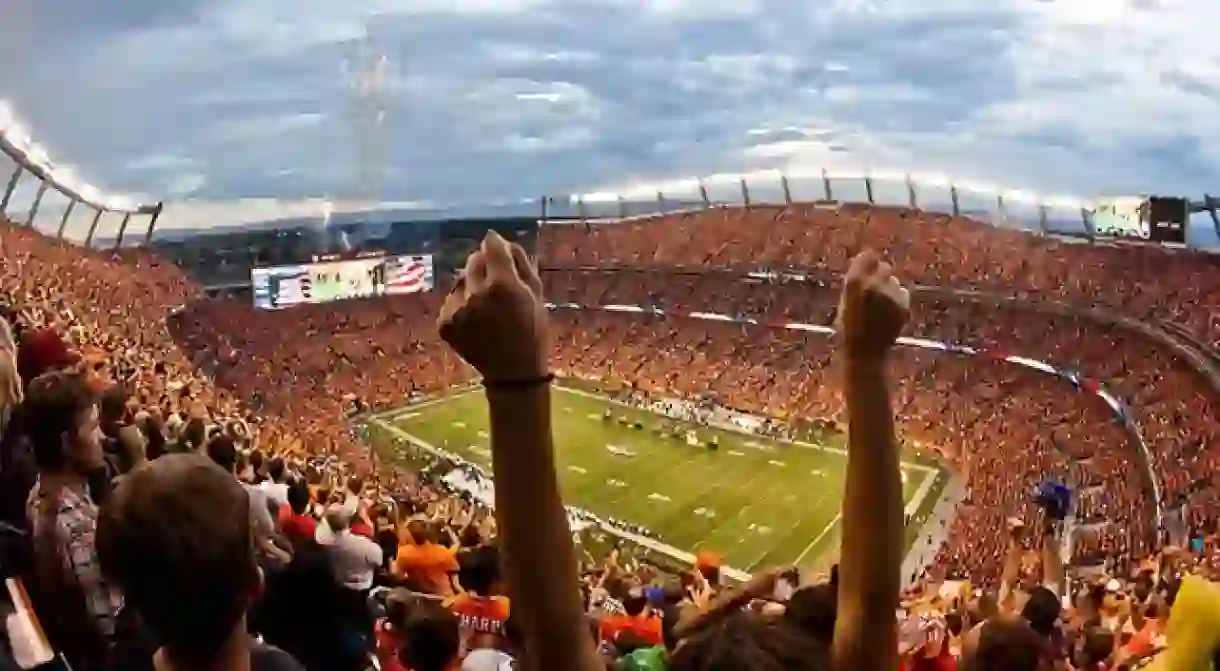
pixel 920 494
pixel 723 429
pixel 731 521
pixel 642 541
pixel 778 539
pixel 911 506
pixel 718 477
pixel 742 538
pixel 662 474
pixel 718 482
pixel 809 548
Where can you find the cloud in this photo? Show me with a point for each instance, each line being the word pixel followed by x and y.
pixel 492 100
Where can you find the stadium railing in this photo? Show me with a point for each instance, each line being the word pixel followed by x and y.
pixel 37 192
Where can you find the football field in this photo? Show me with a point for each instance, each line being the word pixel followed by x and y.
pixel 756 502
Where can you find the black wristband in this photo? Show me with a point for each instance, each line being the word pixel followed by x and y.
pixel 525 383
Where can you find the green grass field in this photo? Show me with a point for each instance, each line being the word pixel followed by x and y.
pixel 755 501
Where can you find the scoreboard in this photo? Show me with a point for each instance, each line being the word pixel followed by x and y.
pixel 327 281
pixel 1166 219
pixel 1153 218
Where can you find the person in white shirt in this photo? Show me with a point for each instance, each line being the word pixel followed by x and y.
pixel 355 558
pixel 276 488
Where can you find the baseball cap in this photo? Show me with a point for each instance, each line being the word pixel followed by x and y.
pixel 42 351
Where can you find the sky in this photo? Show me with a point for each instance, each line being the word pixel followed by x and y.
pixel 226 108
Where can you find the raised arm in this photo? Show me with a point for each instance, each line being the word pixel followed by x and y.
pixel 1012 560
pixel 495 319
pixel 872 311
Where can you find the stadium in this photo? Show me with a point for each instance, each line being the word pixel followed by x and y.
pixel 1054 396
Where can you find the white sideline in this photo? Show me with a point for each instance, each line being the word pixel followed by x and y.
pixel 913 505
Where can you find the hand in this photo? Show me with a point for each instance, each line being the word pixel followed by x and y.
pixel 494 318
pixel 872 308
pixel 1016 527
pixel 762 585
pixel 701 594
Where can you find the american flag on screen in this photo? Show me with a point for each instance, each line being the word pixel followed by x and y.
pixel 408 274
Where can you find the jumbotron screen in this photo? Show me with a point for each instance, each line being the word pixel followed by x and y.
pixel 1155 218
pixel 323 282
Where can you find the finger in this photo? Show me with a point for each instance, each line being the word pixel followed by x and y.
pixel 898 293
pixel 526 270
pixel 499 258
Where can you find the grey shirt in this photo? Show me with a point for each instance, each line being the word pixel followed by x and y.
pixel 355 559
pixel 260 515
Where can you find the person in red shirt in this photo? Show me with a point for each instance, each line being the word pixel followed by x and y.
pixel 362 526
pixel 294 519
pixel 926 647
pixel 390 630
pixel 431 639
pixel 482 612
pixel 639 619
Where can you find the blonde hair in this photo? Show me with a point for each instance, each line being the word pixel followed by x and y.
pixel 7 342
pixel 10 381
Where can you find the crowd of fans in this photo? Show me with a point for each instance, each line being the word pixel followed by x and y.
pixel 220 470
pixel 928 249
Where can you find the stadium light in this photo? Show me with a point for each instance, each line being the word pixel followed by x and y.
pixel 32 157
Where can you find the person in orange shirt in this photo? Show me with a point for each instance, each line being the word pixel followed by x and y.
pixel 638 619
pixel 481 609
pixel 425 564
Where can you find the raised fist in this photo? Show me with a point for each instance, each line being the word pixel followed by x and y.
pixel 872 308
pixel 494 317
